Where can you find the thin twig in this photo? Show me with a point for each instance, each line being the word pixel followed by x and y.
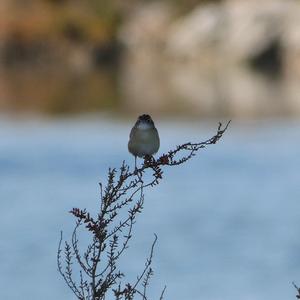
pixel 111 229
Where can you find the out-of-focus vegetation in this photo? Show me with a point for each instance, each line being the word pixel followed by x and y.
pixel 58 56
pixel 42 30
pixel 36 30
pixel 52 92
pixel 199 57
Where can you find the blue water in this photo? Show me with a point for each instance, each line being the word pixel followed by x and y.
pixel 228 221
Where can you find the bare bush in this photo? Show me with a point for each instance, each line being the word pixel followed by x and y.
pixel 110 230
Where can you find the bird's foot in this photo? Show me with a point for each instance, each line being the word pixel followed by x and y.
pixel 148 160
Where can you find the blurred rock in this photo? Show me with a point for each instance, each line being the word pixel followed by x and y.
pixel 143 69
pixel 236 57
pixel 252 26
pixel 236 29
pixel 146 26
pixel 197 35
pixel 291 41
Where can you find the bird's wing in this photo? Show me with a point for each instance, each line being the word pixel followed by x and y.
pixel 131 132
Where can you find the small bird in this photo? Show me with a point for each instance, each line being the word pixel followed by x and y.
pixel 143 138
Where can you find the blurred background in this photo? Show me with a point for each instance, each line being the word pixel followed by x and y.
pixel 74 76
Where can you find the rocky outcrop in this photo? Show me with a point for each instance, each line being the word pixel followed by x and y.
pixel 237 30
pixel 236 57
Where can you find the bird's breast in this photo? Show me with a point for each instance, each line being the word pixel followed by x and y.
pixel 144 142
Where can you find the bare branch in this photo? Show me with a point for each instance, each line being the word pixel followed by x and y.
pixel 147 264
pixel 162 293
pixel 110 229
pixel 298 290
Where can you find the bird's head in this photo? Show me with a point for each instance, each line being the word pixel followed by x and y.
pixel 144 122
